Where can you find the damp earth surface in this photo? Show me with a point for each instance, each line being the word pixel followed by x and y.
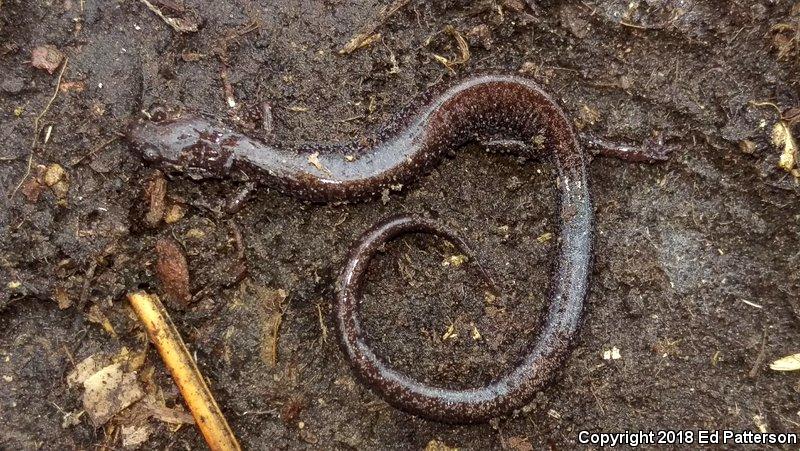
pixel 695 288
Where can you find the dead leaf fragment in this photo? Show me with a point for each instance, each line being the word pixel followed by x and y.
pixel 77 86
pixel 86 368
pixel 97 316
pixel 187 24
pixel 175 415
pixel 367 34
pixel 109 391
pixel 788 363
pixel 134 436
pixel 519 444
pixel 61 296
pixel 32 189
pixel 455 260
pixel 475 334
pixel 46 57
pixel 463 48
pixel 273 305
pixel 173 271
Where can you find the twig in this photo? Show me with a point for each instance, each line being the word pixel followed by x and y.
pixel 178 24
pixel 765 103
pixel 762 354
pixel 222 55
pixel 323 328
pixel 184 371
pixel 366 35
pixel 36 128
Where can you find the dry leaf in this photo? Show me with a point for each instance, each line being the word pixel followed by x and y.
pixel 86 368
pixel 134 436
pixel 97 316
pixel 46 57
pixel 109 391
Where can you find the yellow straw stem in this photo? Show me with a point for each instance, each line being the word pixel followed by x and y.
pixel 179 362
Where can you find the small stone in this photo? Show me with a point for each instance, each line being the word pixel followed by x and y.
pixel 12 85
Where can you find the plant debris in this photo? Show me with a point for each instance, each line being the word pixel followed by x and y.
pixel 450 333
pixel 173 271
pixel 788 363
pixel 313 160
pixel 155 197
pixel 367 34
pixel 179 24
pixel 184 371
pixel 455 260
pixel 46 57
pixel 273 301
pixel 110 389
pixel 782 139
pixel 463 48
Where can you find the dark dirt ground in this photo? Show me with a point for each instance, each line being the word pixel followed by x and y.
pixel 680 245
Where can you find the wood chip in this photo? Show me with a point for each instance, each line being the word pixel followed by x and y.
pixel 155 195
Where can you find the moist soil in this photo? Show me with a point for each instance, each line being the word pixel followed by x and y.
pixel 695 280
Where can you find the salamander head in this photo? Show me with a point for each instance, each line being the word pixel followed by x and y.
pixel 191 145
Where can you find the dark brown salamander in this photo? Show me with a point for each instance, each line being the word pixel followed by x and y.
pixel 485 108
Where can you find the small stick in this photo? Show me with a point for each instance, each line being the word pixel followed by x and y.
pixel 36 128
pixel 762 354
pixel 363 37
pixel 182 367
pixel 95 150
